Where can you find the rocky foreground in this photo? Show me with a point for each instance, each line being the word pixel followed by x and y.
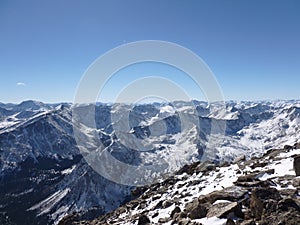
pixel 246 192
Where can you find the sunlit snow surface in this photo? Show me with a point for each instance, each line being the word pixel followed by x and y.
pixel 212 221
pixel 283 167
pixel 50 202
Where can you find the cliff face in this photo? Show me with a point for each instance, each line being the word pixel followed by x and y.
pixel 261 191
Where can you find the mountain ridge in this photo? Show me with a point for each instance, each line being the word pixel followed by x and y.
pixel 261 192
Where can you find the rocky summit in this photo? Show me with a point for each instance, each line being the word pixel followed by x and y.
pixel 262 190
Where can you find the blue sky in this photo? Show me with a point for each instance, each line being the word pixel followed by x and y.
pixel 253 47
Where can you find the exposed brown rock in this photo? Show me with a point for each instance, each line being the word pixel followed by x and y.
pixel 233 193
pixel 239 159
pixel 288 192
pixel 296 182
pixel 259 197
pixel 196 210
pixel 258 164
pixel 247 222
pixel 189 169
pixel 258 183
pixel 167 203
pixel 164 220
pixel 138 191
pixel 254 176
pixel 222 210
pixel 184 222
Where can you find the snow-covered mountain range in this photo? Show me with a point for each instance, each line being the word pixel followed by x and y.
pixel 44 176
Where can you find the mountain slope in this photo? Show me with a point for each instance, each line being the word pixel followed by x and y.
pixel 44 176
pixel 258 191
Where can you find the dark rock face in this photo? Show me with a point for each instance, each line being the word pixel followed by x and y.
pixel 297 145
pixel 230 222
pixel 177 210
pixel 164 220
pixel 297 165
pixel 287 203
pixel 287 147
pixel 138 191
pixel 143 220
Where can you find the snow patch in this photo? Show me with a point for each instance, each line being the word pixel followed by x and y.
pixel 46 205
pixel 68 171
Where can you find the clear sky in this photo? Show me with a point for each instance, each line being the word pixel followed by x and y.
pixel 252 46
